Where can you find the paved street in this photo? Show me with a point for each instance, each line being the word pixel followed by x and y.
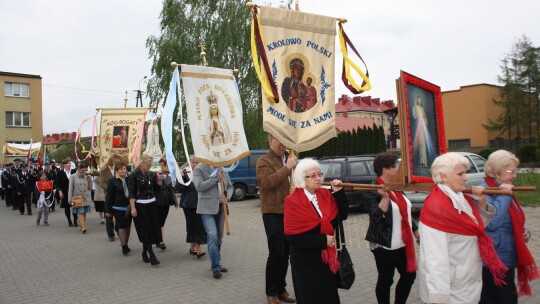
pixel 58 264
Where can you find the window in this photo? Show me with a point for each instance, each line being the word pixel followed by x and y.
pixel 14 89
pixel 459 145
pixel 17 119
pixel 479 161
pixel 358 168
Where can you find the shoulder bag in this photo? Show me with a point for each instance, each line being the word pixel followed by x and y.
pixel 77 201
pixel 345 275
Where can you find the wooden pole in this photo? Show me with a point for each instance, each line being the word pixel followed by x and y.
pixel 225 207
pixel 291 183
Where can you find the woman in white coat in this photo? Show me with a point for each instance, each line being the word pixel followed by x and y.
pixel 453 241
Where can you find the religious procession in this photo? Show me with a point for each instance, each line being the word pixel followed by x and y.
pixel 469 244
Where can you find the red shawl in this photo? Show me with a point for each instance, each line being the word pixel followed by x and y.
pixel 526 266
pixel 439 213
pixel 300 216
pixel 406 231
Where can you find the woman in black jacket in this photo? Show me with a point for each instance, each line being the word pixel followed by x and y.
pixel 117 203
pixel 62 188
pixel 165 198
pixel 390 233
pixel 188 202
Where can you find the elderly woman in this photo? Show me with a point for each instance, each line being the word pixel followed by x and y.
pixel 116 204
pixel 454 243
pixel 390 233
pixel 141 185
pixel 188 201
pixel 80 184
pixel 165 198
pixel 310 215
pixel 508 233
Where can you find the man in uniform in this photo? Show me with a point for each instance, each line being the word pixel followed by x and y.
pixel 13 181
pixel 25 187
pixel 6 184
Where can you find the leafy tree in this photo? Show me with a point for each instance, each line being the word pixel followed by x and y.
pixel 224 27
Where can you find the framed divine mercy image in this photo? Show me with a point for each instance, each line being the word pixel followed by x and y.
pixel 421 125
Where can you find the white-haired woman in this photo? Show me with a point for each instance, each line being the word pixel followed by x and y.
pixel 508 233
pixel 310 216
pixel 454 243
pixel 141 185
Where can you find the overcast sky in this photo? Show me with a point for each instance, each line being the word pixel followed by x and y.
pixel 90 52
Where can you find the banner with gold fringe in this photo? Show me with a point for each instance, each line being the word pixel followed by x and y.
pixel 121 133
pixel 215 117
pixel 297 53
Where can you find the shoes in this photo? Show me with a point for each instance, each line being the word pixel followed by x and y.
pixel 111 239
pixel 193 252
pixel 37 222
pixel 286 297
pixel 217 274
pixel 46 224
pixel 83 230
pixel 200 254
pixel 223 269
pixel 161 246
pixel 70 225
pixel 102 222
pixel 22 213
pixel 29 213
pixel 272 300
pixel 145 258
pixel 154 261
pixel 75 225
pixel 125 250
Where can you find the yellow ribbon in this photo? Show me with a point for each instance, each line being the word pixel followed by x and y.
pixel 263 78
pixel 349 63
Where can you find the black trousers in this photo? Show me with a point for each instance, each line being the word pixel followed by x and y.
pixel 387 261
pixel 109 226
pixel 493 294
pixel 14 199
pixel 9 199
pixel 278 254
pixel 25 199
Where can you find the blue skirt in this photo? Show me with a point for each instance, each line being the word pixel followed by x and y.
pixel 82 210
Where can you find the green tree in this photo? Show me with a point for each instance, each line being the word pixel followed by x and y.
pixel 224 27
pixel 520 87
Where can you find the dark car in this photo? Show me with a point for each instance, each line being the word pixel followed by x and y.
pixel 243 176
pixel 350 169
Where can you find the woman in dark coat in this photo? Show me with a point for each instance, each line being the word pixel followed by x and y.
pixel 116 204
pixel 390 233
pixel 310 216
pixel 188 202
pixel 141 184
pixel 62 188
pixel 165 198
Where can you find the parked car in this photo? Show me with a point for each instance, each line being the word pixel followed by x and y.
pixel 243 176
pixel 349 169
pixel 475 176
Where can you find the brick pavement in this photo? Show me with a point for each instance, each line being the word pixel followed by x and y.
pixel 58 264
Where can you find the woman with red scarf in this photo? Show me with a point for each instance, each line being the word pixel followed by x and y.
pixel 454 243
pixel 310 215
pixel 390 233
pixel 508 233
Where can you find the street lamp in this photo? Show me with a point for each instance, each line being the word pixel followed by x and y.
pixel 391 119
pixel 139 93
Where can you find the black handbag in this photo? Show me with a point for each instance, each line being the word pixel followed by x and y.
pixel 345 275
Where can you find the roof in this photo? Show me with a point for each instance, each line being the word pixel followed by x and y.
pixel 363 103
pixel 344 124
pixel 19 75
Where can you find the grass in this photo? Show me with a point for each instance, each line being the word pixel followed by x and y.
pixel 528 198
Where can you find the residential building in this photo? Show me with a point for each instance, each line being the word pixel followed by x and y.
pixel 21 112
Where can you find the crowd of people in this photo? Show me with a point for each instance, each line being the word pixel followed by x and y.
pixel 470 246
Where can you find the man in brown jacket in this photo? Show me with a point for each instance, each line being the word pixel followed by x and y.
pixel 105 174
pixel 273 174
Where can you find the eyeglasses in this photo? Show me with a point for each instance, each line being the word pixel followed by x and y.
pixel 314 176
pixel 513 172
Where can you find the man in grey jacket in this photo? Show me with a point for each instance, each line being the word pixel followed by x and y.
pixel 207 182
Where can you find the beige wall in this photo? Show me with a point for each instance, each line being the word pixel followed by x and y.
pixel 466 109
pixel 32 104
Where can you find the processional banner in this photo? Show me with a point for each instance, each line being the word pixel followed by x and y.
pixel 214 111
pixel 299 48
pixel 121 132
